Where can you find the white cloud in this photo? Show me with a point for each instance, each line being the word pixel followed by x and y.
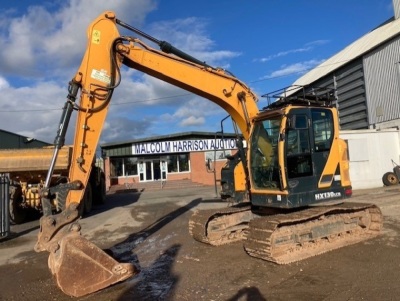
pixel 144 90
pixel 307 47
pixel 3 83
pixel 195 113
pixel 43 47
pixel 197 107
pixel 317 43
pixel 297 68
pixel 43 40
pixel 190 36
pixel 192 121
pixel 117 129
pixel 284 53
pixel 32 111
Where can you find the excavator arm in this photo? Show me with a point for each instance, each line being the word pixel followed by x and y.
pixel 78 265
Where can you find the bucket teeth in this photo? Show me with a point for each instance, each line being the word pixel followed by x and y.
pixel 81 268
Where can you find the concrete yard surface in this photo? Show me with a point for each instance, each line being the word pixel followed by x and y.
pixel 150 228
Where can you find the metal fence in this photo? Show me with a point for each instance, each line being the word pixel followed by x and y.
pixel 4 203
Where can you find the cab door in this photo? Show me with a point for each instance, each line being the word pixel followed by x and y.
pixel 300 171
pixel 308 140
pixel 323 137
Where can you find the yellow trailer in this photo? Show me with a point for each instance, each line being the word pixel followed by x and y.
pixel 27 169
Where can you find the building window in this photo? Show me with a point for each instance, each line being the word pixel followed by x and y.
pixel 120 167
pixel 183 161
pixel 116 167
pixel 219 155
pixel 131 168
pixel 172 163
pixel 178 163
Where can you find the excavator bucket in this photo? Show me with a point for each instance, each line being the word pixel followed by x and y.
pixel 81 268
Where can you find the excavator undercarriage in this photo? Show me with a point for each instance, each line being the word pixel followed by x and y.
pixel 288 237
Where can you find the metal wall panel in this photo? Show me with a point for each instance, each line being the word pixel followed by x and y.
pixel 118 151
pixel 382 78
pixel 349 83
pixel 352 104
pixel 396 8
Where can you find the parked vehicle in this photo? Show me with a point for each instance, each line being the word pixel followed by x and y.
pixel 27 169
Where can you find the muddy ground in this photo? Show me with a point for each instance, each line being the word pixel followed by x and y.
pixel 151 229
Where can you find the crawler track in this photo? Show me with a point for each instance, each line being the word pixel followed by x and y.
pixel 219 227
pixel 286 238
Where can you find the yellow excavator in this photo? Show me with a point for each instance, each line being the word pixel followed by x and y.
pixel 290 177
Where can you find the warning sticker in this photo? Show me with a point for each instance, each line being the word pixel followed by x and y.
pixel 96 36
pixel 101 75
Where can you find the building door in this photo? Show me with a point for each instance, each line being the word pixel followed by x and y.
pixel 149 170
pixel 145 171
pixel 160 170
pixel 142 172
pixel 152 170
pixel 156 170
pixel 163 164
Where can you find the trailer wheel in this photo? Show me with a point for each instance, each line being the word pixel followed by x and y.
pixel 18 214
pixel 390 179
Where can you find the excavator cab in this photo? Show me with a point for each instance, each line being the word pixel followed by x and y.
pixel 296 155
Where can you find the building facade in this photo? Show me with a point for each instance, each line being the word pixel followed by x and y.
pixel 194 156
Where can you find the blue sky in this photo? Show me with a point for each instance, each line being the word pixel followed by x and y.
pixel 268 44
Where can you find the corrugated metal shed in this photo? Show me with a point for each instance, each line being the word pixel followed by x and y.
pixel 382 82
pixel 363 45
pixel 348 81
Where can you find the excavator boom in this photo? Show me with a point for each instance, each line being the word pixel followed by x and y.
pixel 78 265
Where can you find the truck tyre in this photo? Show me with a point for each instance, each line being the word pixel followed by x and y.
pixel 99 194
pixel 18 214
pixel 390 179
pixel 87 201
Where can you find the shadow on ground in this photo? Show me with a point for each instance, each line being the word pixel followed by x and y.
pixel 155 282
